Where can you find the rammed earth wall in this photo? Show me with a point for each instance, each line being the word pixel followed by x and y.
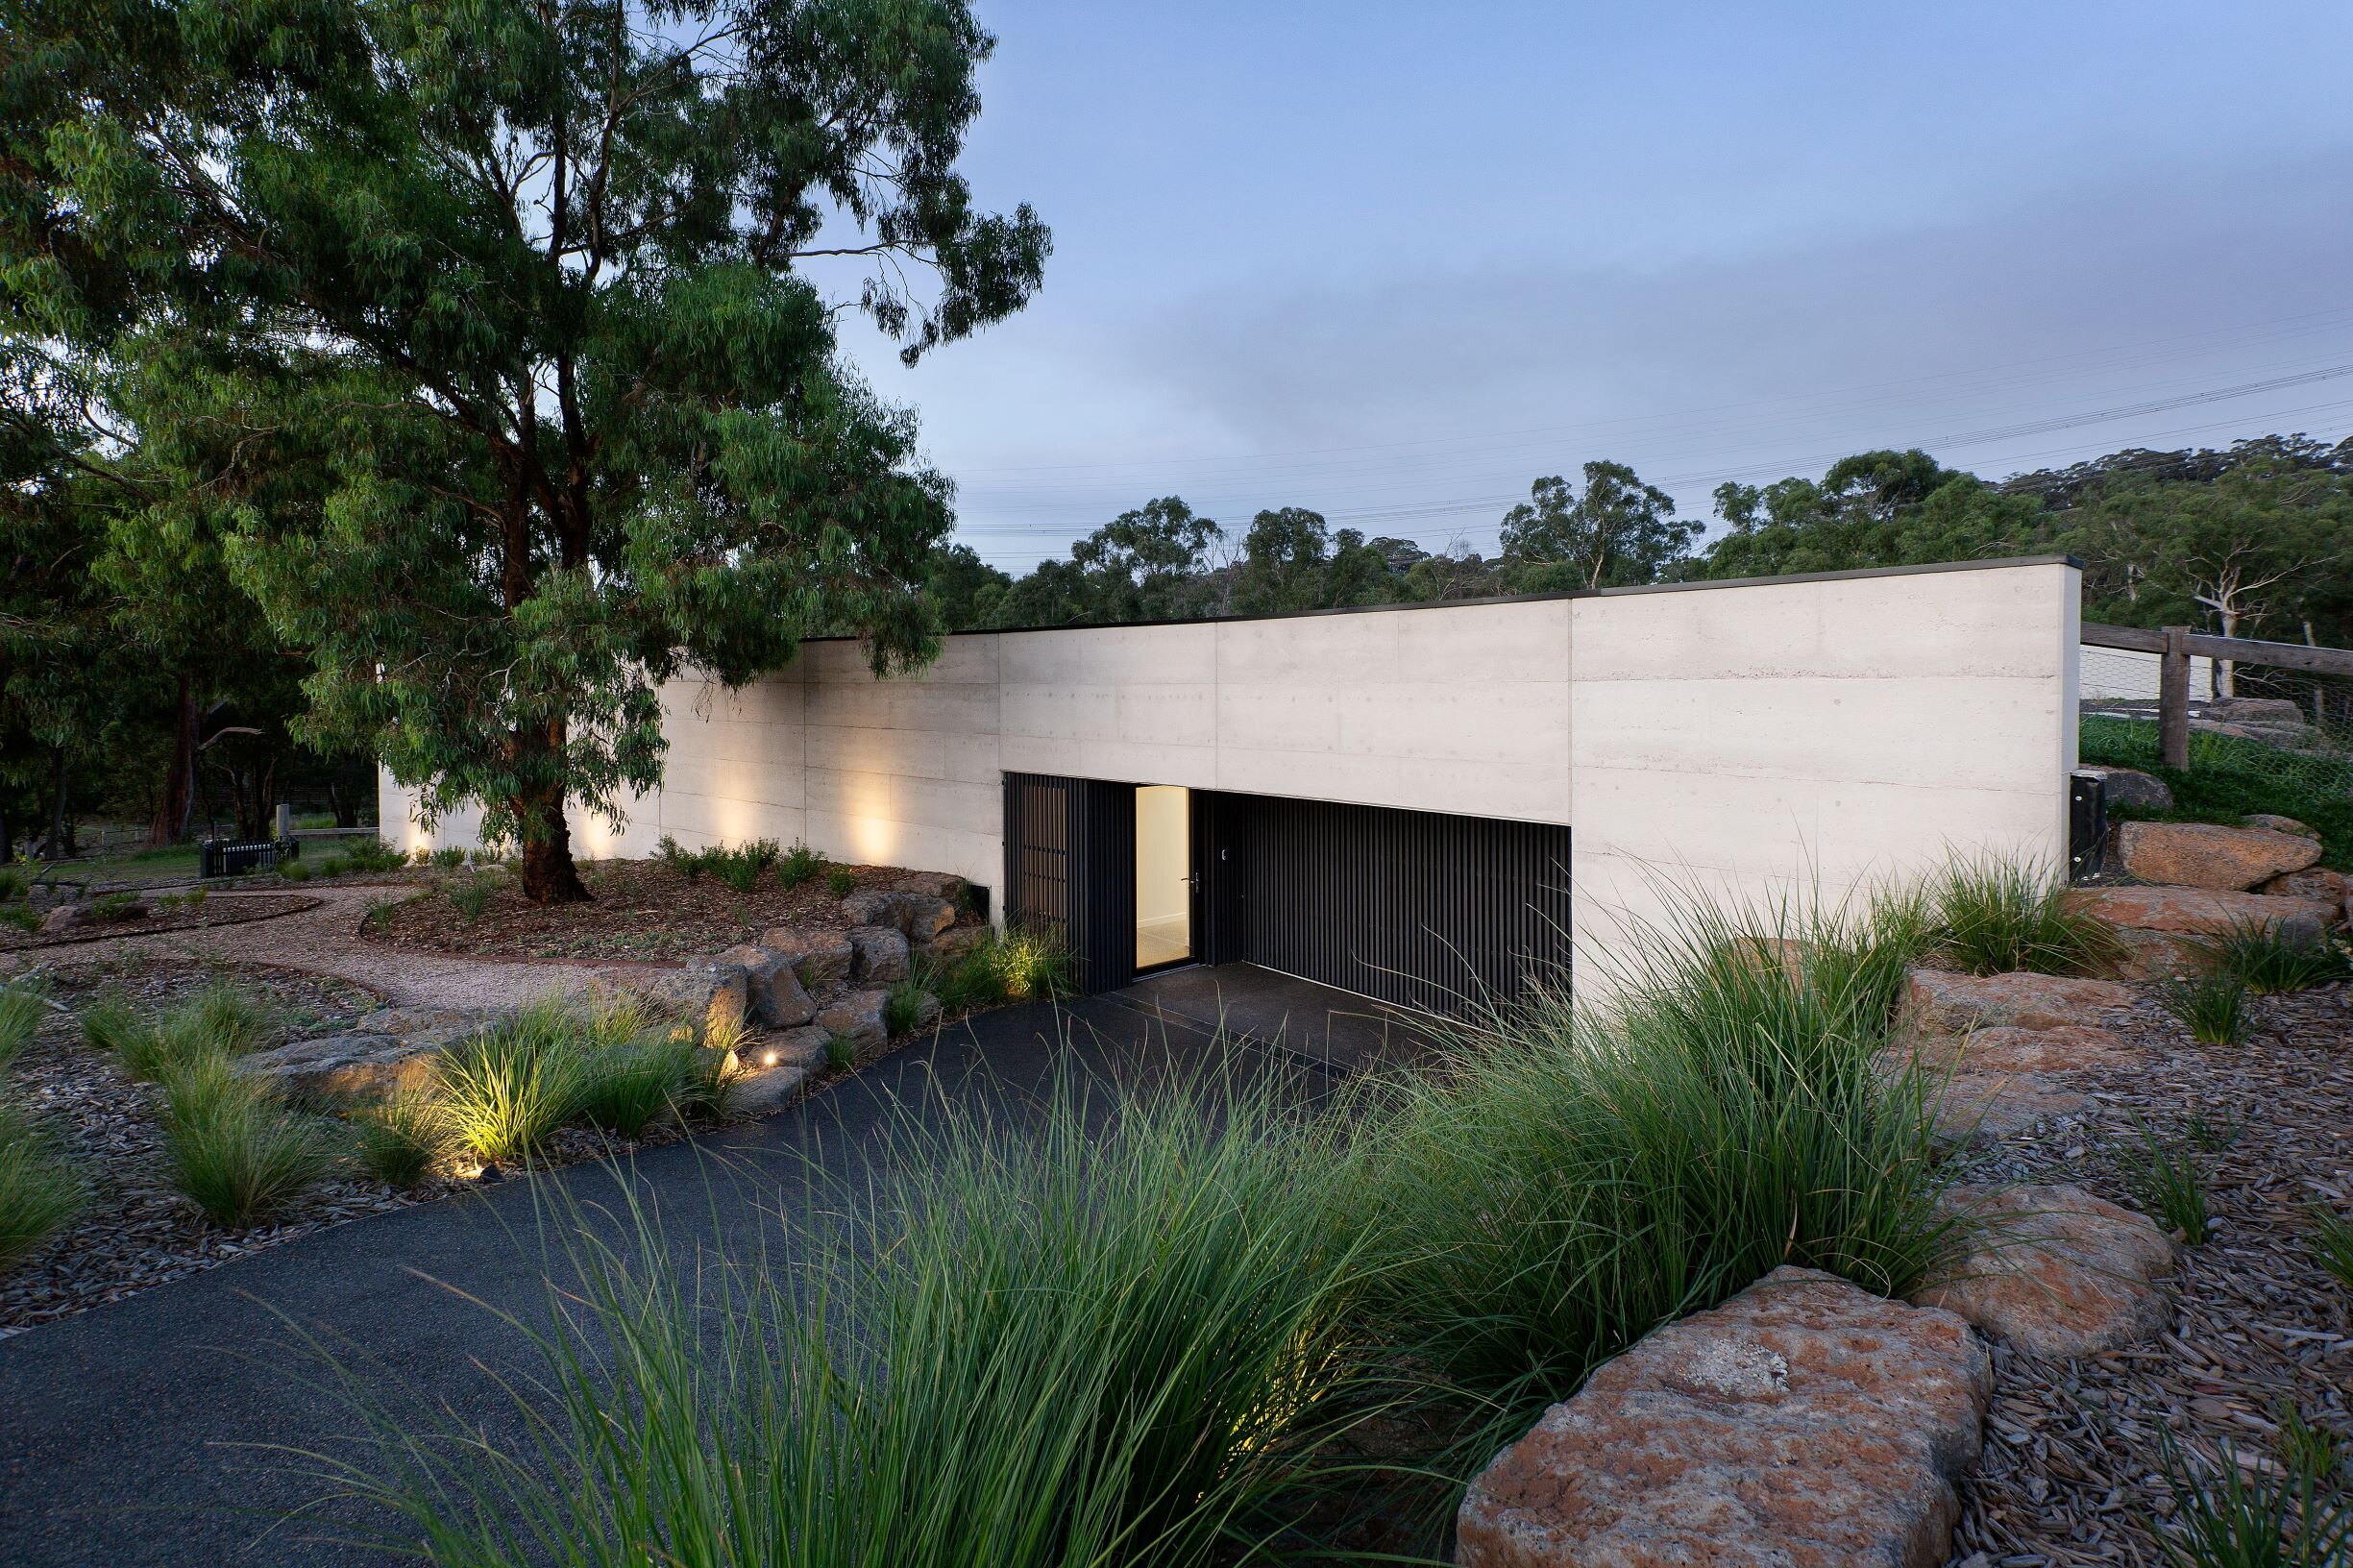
pixel 1747 737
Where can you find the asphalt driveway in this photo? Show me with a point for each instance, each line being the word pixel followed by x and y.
pixel 128 1434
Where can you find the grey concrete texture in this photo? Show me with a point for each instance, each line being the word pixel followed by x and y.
pixel 155 1430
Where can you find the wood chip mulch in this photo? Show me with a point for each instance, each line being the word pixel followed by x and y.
pixel 232 910
pixel 2072 1472
pixel 643 910
pixel 136 1231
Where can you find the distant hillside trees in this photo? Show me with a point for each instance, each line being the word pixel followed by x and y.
pixel 2256 539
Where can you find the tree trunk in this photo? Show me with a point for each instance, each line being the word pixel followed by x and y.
pixel 178 801
pixel 549 876
pixel 57 849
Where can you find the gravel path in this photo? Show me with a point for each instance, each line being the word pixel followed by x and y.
pixel 325 941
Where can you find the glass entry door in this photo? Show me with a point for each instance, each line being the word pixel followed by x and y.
pixel 1164 875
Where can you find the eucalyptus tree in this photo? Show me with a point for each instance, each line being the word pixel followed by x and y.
pixel 516 322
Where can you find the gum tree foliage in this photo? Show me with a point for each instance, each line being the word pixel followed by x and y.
pixel 1619 533
pixel 1152 563
pixel 541 297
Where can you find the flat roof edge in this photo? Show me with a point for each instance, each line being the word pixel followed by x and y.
pixel 1997 563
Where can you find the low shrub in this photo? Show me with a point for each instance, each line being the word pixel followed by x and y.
pixel 713 1074
pixel 24 1007
pixel 1074 1345
pixel 222 1019
pixel 2331 1239
pixel 12 884
pixel 1994 916
pixel 2269 959
pixel 380 911
pixel 799 866
pixel 109 907
pixel 400 1138
pixel 194 898
pixel 41 1193
pixel 450 856
pixel 334 865
pixel 231 1144
pixel 841 882
pixel 295 870
pixel 2212 1007
pixel 742 867
pixel 23 917
pixel 511 1087
pixel 373 855
pixel 841 1052
pixel 469 896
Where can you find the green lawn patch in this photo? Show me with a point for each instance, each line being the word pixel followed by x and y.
pixel 2229 779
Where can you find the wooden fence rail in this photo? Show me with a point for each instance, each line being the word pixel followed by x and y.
pixel 2176 646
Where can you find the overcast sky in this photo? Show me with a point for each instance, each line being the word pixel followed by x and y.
pixel 1393 261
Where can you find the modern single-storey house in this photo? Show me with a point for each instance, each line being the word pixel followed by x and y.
pixel 1409 801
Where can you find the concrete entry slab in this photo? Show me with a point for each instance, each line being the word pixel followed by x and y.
pixel 1336 1030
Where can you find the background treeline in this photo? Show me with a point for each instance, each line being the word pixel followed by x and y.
pixel 2255 540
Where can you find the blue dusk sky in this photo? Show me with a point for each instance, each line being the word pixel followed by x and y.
pixel 1394 261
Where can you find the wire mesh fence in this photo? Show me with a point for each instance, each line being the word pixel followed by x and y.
pixel 2293 728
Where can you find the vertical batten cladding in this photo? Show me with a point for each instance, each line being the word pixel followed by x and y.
pixel 1428 909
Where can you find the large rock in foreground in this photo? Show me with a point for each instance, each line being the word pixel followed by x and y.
pixel 2203 856
pixel 2058 1273
pixel 1955 1004
pixel 1803 1423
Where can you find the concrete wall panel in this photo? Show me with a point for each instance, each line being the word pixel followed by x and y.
pixel 1758 739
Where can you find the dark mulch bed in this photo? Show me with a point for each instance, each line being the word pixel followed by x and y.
pixel 2072 1473
pixel 643 910
pixel 215 910
pixel 136 1232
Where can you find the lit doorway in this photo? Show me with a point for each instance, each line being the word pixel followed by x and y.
pixel 1164 875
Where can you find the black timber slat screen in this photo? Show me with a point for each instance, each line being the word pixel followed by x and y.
pixel 1039 834
pixel 1070 869
pixel 1423 909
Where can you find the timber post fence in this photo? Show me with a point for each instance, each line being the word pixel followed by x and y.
pixel 2176 646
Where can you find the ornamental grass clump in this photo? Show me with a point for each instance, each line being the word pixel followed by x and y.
pixel 507 1090
pixel 231 1143
pixel 2268 958
pixel 41 1193
pixel 24 1007
pixel 1996 917
pixel 1583 1173
pixel 2212 1006
pixel 628 1086
pixel 1102 1339
pixel 400 1138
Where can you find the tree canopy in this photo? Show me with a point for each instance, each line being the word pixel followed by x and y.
pixel 503 338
